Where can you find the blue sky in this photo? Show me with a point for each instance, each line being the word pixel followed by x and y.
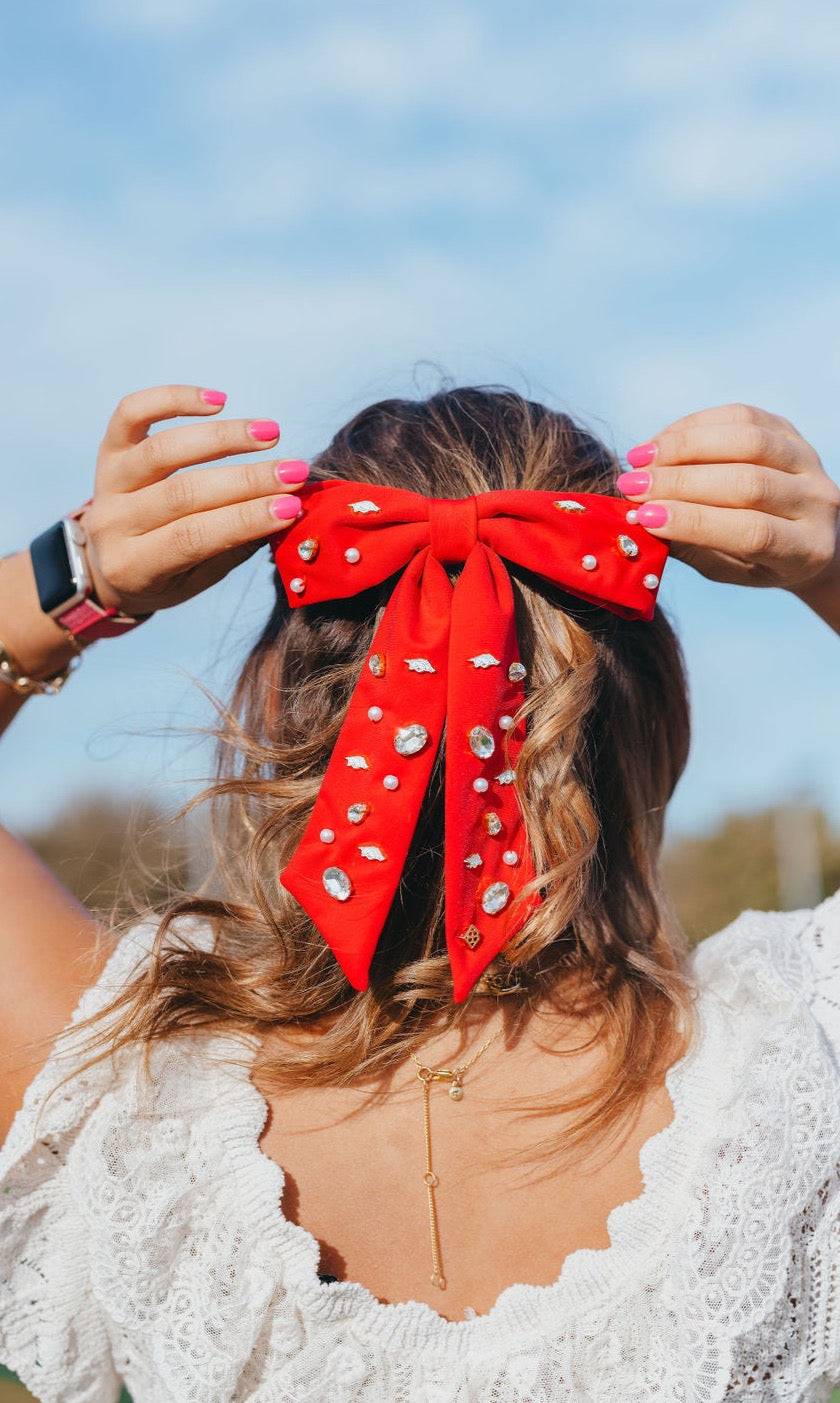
pixel 628 210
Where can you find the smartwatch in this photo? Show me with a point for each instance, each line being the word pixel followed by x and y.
pixel 64 585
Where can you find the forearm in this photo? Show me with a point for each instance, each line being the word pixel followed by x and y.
pixel 37 643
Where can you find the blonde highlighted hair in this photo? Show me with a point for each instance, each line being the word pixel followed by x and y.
pixel 608 733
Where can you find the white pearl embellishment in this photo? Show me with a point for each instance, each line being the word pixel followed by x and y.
pixel 650 581
pixel 589 562
pixel 510 857
pixel 352 555
pixel 297 585
pixel 633 517
pixel 480 786
pixel 505 723
pixel 327 835
pixel 375 713
pixel 391 782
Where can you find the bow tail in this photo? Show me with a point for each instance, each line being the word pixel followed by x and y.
pixel 485 829
pixel 347 867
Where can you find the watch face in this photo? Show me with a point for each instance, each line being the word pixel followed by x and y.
pixel 58 588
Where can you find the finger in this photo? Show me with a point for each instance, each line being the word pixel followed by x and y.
pixel 746 535
pixel 733 443
pixel 207 489
pixel 193 539
pixel 733 414
pixel 163 453
pixel 135 413
pixel 745 485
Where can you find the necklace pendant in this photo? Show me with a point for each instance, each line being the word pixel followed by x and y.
pixel 437 1279
pixel 456 1091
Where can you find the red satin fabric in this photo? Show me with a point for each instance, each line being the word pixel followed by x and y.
pixel 461 641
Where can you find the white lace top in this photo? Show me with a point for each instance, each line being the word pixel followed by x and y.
pixel 151 1249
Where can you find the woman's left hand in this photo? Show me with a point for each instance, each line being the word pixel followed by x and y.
pixel 739 495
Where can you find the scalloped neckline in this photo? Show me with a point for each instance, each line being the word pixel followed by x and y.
pixel 635 1228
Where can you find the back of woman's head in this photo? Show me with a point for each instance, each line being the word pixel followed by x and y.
pixel 607 738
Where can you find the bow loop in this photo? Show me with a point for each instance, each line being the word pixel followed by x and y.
pixel 444 661
pixel 453 528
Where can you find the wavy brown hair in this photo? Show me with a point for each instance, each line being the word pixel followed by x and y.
pixel 607 739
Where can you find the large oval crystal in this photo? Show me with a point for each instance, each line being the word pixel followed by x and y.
pixel 337 883
pixel 482 743
pixel 628 547
pixel 356 812
pixel 409 740
pixel 495 898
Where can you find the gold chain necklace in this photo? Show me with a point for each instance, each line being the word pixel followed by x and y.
pixel 454 1077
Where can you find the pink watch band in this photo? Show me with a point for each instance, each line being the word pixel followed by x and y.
pixel 88 620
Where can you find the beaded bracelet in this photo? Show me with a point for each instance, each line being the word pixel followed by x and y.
pixel 13 675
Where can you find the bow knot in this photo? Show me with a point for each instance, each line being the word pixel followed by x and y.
pixel 453 528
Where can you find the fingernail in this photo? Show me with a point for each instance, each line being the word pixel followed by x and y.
pixel 285 508
pixel 641 455
pixel 214 396
pixel 651 514
pixel 633 484
pixel 264 430
pixel 292 470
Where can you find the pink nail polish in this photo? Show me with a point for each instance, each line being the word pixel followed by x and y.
pixel 285 508
pixel 214 396
pixel 292 470
pixel 651 514
pixel 264 430
pixel 641 455
pixel 633 484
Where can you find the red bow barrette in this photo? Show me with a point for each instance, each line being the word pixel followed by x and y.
pixel 440 653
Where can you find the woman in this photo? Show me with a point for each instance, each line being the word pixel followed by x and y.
pixel 632 1187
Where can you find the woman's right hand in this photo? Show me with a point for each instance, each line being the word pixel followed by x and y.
pixel 157 536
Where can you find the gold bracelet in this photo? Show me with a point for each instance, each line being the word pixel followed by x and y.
pixel 13 675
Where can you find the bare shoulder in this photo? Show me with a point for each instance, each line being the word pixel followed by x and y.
pixel 51 949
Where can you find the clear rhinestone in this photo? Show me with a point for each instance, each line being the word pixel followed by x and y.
pixel 352 555
pixel 372 851
pixel 495 898
pixel 632 517
pixel 471 937
pixel 589 562
pixel 628 547
pixel 481 742
pixel 480 786
pixel 492 823
pixel 506 777
pixel 567 506
pixel 409 740
pixel 375 713
pixel 484 660
pixel 376 663
pixel 364 506
pixel 474 860
pixel 517 672
pixel 337 883
pixel 420 665
pixel 297 585
pixel 327 835
pixel 391 782
pixel 308 549
pixel 356 812
pixel 650 581
pixel 357 762
pixel 505 723
pixel 510 857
